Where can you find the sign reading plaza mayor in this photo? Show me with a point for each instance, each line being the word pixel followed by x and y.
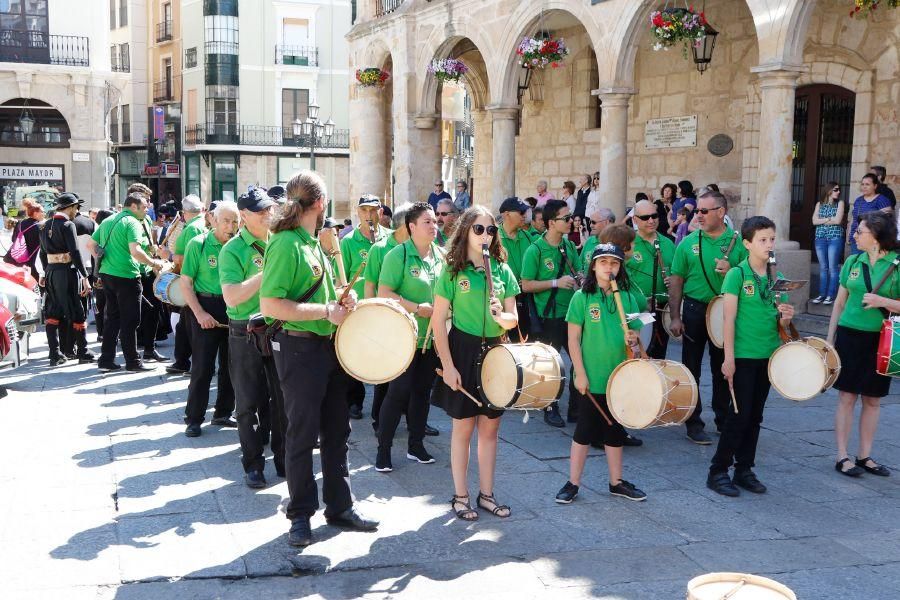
pixel 48 172
pixel 671 132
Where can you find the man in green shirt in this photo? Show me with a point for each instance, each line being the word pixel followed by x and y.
pixel 297 291
pixel 516 239
pixel 119 237
pixel 649 268
pixel 549 273
pixel 447 215
pixel 599 221
pixel 355 251
pixel 259 405
pixel 192 211
pixel 698 269
pixel 202 291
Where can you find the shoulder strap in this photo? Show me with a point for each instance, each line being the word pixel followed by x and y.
pixel 702 266
pixel 258 248
pixel 551 301
pixel 867 278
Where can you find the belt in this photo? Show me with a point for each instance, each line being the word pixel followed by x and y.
pixel 205 295
pixel 59 259
pixel 696 301
pixel 238 327
pixel 309 335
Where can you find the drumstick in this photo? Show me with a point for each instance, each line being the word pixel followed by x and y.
pixel 440 373
pixel 350 285
pixel 733 399
pixel 618 299
pixel 427 336
pixel 600 409
pixel 339 257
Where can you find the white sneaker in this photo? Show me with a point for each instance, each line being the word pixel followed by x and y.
pixel 817 300
pixel 828 300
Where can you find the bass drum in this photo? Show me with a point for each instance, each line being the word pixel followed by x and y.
pixel 167 288
pixel 651 393
pixel 377 341
pixel 888 362
pixel 715 321
pixel 521 376
pixel 803 369
pixel 737 586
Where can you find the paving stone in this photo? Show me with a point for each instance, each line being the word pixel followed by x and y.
pixel 621 565
pixel 771 556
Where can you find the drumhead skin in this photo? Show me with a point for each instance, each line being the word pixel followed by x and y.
pixel 377 341
pixel 715 321
pixel 741 586
pixel 635 393
pixel 521 376
pixel 800 370
pixel 167 288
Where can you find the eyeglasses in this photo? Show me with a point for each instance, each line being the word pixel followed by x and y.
pixel 443 213
pixel 439 185
pixel 566 218
pixel 861 231
pixel 479 229
pixel 646 217
pixel 836 190
pixel 704 211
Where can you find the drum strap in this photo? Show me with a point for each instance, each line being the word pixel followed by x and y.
pixel 551 301
pixel 703 267
pixel 867 278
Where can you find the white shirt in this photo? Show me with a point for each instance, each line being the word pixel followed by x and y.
pixel 593 203
pixel 570 202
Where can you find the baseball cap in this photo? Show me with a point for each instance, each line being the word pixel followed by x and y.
pixel 255 200
pixel 370 200
pixel 607 250
pixel 513 204
pixel 277 193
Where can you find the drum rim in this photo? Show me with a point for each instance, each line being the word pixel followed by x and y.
pixel 396 307
pixel 824 362
pixel 519 374
pixel 726 577
pixel 709 306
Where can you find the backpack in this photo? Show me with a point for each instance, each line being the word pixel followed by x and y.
pixel 19 249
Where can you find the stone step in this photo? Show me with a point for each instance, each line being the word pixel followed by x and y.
pixel 816 325
pixel 821 310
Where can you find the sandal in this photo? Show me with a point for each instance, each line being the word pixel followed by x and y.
pixel 853 471
pixel 499 510
pixel 466 513
pixel 880 470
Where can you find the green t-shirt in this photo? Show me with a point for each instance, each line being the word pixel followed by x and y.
pixel 201 263
pixel 640 266
pixel 602 340
pixel 294 261
pixel 192 229
pixel 146 243
pixel 355 249
pixel 586 250
pixel 377 253
pixel 115 235
pixel 515 249
pixel 542 262
pixel 755 326
pixel 412 277
pixel 853 278
pixel 467 293
pixel 686 263
pixel 238 262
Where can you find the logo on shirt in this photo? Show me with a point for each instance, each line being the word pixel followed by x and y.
pixel 258 261
pixel 317 270
pixel 212 260
pixel 549 264
pixel 464 285
pixel 749 288
pixel 637 257
pixel 854 274
pixel 696 249
pixel 594 311
pixel 364 254
pixel 414 271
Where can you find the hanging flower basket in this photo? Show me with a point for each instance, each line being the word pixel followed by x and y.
pixel 671 26
pixel 863 8
pixel 537 53
pixel 448 69
pixel 372 77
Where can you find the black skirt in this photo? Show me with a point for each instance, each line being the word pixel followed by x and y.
pixel 465 350
pixel 858 351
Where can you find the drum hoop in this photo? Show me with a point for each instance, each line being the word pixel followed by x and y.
pixel 517 392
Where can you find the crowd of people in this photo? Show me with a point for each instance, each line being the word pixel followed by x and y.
pixel 262 284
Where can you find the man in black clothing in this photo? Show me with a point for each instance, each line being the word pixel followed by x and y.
pixel 883 188
pixel 581 196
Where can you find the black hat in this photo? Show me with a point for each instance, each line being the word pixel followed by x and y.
pixel 167 210
pixel 513 204
pixel 607 250
pixel 330 223
pixel 67 199
pixel 255 200
pixel 387 210
pixel 277 193
pixel 370 200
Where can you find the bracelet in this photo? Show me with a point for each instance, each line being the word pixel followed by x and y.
pixel 554 283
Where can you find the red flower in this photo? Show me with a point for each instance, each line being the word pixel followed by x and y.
pixel 658 21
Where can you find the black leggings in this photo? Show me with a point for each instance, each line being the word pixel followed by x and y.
pixel 592 427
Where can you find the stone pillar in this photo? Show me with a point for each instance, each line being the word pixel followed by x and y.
pixel 482 167
pixel 368 154
pixel 773 188
pixel 613 152
pixel 503 153
pixel 426 157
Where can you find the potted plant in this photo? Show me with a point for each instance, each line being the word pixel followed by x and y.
pixel 372 77
pixel 447 69
pixel 537 53
pixel 671 26
pixel 863 8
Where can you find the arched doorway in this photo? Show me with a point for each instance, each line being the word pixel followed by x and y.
pixel 822 152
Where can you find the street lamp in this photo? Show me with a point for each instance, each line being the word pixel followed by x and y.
pixel 313 132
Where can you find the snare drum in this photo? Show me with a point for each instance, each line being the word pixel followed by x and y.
pixel 888 362
pixel 167 288
pixel 737 586
pixel 715 321
pixel 651 393
pixel 377 341
pixel 521 376
pixel 805 368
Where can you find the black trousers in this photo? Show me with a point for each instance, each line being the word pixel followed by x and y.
pixel 207 344
pixel 659 340
pixel 62 300
pixel 740 432
pixel 378 395
pixel 258 400
pixel 356 393
pixel 555 332
pixel 524 319
pixel 99 306
pixel 693 343
pixel 123 315
pixel 151 310
pixel 409 392
pixel 314 387
pixel 182 339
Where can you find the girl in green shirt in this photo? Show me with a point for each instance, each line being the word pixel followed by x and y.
pixel 478 322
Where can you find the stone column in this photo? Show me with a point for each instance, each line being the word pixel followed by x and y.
pixel 482 166
pixel 773 189
pixel 503 153
pixel 368 153
pixel 613 152
pixel 426 157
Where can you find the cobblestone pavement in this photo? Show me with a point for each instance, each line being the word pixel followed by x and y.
pixel 103 496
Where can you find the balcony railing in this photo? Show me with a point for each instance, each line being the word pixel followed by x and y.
pixel 167 90
pixel 305 56
pixel 164 32
pixel 255 135
pixel 386 7
pixel 37 47
pixel 121 64
pixel 222 47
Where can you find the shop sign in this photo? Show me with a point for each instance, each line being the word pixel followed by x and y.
pixel 170 169
pixel 671 132
pixel 46 172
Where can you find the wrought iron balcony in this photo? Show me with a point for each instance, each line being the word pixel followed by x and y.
pixel 164 32
pixel 167 90
pixel 386 7
pixel 120 64
pixel 37 47
pixel 304 56
pixel 256 135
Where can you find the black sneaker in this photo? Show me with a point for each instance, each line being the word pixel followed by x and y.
pixel 108 367
pixel 432 431
pixel 698 436
pixel 255 480
pixel 721 483
pixel 553 418
pixel 420 455
pixel 193 430
pixel 747 480
pixel 383 461
pixel 153 355
pixel 632 441
pixel 176 369
pixel 56 361
pixel 85 358
pixel 627 490
pixel 567 494
pixel 224 422
pixel 138 367
pixel 355 412
pixel 300 533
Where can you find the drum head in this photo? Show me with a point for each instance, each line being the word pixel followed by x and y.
pixel 737 586
pixel 798 371
pixel 501 377
pixel 377 341
pixel 715 321
pixel 635 393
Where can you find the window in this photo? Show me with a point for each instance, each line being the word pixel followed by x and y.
pixel 24 15
pixel 126 123
pixel 114 57
pixel 50 128
pixel 192 174
pixel 112 14
pixel 190 58
pixel 125 58
pixel 123 13
pixel 294 105
pixel 222 115
pixel 224 178
pixel 295 32
pixel 221 34
pixel 167 12
pixel 114 125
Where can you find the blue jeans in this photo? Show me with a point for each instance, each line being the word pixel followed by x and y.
pixel 829 254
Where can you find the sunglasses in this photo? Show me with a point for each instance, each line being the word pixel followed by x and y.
pixel 479 229
pixel 566 218
pixel 646 217
pixel 443 213
pixel 706 211
pixel 836 190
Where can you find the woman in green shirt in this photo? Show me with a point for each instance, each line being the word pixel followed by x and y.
pixel 854 330
pixel 408 274
pixel 478 322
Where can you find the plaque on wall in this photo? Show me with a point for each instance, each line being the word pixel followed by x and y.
pixel 720 145
pixel 671 132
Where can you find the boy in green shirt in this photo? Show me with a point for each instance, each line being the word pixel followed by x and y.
pixel 753 313
pixel 516 240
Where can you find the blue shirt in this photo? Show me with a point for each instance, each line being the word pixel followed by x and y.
pixel 463 201
pixel 861 207
pixel 433 198
pixel 679 204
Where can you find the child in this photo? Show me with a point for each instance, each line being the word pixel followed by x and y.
pixel 595 332
pixel 752 312
pixel 681 225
